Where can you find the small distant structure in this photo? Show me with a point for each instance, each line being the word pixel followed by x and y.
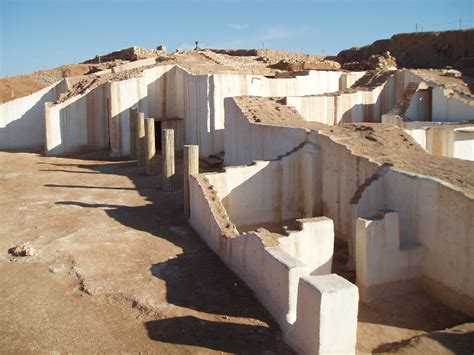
pixel 197 46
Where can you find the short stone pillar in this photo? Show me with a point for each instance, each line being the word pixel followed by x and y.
pixel 191 166
pixel 150 162
pixel 168 163
pixel 133 113
pixel 140 142
pixel 326 321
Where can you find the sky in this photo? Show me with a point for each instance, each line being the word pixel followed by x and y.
pixel 43 34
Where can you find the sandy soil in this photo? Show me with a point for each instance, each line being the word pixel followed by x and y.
pixel 118 269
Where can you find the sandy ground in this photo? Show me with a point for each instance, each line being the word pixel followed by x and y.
pixel 119 270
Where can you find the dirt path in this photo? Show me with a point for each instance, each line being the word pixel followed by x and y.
pixel 119 270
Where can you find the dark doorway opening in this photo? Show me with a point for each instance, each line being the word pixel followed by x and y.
pixel 158 136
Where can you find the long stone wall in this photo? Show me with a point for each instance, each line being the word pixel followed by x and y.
pixel 437 216
pixel 22 122
pixel 79 124
pixel 309 309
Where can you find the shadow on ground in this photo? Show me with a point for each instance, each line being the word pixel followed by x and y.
pixel 196 279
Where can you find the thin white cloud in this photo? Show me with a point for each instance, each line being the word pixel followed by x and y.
pixel 237 26
pixel 281 32
pixel 267 35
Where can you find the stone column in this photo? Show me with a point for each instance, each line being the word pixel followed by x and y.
pixel 140 142
pixel 191 166
pixel 167 151
pixel 133 113
pixel 150 162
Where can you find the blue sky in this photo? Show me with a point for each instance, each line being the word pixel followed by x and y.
pixel 44 34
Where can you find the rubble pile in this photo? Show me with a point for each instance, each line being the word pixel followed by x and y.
pixel 128 54
pixel 385 61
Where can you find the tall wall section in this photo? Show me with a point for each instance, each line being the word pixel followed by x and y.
pixel 22 122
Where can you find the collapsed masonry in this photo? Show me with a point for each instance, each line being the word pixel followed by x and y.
pixel 307 161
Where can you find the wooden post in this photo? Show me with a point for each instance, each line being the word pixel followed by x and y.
pixel 167 151
pixel 133 112
pixel 140 142
pixel 150 162
pixel 191 166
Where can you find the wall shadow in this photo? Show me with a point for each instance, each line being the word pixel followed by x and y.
pixel 227 337
pixel 196 279
pixel 22 133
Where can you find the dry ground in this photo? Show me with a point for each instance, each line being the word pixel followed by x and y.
pixel 119 270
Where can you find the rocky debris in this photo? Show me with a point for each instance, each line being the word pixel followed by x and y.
pixel 383 61
pixel 271 54
pixel 129 54
pixel 299 65
pixel 418 50
pixel 24 249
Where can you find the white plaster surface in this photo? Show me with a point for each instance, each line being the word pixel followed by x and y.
pixel 327 316
pixel 380 256
pixel 22 122
pixel 437 216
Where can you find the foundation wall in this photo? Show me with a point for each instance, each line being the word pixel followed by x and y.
pixel 276 278
pixel 222 86
pixel 22 123
pixel 123 95
pixel 360 106
pixel 78 124
pixel 246 141
pixel 272 191
pixel 450 109
pixel 439 138
pixel 436 216
pixel 382 260
pixel 339 172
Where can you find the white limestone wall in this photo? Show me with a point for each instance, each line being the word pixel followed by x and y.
pixel 326 321
pixel 347 106
pixel 197 111
pixel 382 261
pixel 447 108
pixel 308 316
pixel 123 95
pixel 22 123
pixel 313 244
pixel 222 86
pixel 440 138
pixel 246 141
pixel 341 172
pixel 78 124
pixel 272 191
pixel 464 143
pixel 440 218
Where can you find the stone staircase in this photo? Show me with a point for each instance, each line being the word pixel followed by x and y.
pixel 401 107
pixel 372 79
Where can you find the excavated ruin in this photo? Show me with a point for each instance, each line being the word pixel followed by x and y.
pixel 370 161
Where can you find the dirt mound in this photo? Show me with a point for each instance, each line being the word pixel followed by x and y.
pixel 418 50
pixel 14 87
pixel 273 55
pixel 298 65
pixel 127 54
pixel 374 62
